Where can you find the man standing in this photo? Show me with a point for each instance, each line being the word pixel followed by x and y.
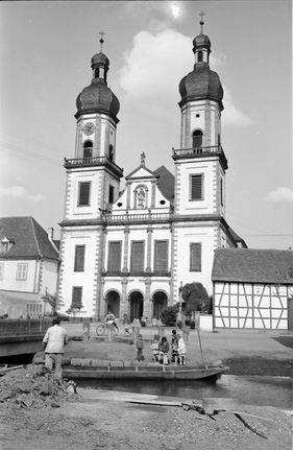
pixel 54 342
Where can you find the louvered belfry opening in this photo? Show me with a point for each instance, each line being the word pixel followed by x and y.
pixel 196 187
pixel 84 193
pixel 87 149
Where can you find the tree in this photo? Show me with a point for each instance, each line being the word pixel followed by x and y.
pixel 196 298
pixel 169 315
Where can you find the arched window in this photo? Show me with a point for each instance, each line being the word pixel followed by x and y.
pixel 111 152
pixel 87 149
pixel 197 139
pixel 200 56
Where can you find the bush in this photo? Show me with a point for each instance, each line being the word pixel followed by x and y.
pixel 169 315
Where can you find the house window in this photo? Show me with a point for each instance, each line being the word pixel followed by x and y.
pixel 76 302
pixel 137 256
pixel 161 256
pixel 196 187
pixel 79 258
pixel 84 189
pixel 195 257
pixel 21 271
pixel 1 270
pixel 197 139
pixel 111 194
pixel 114 258
pixel 87 149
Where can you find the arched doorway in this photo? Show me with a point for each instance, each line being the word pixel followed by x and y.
pixel 136 305
pixel 197 140
pixel 113 303
pixel 160 301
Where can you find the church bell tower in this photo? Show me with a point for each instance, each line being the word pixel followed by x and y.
pixel 92 186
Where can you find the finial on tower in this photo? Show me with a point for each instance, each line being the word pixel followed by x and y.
pixel 201 22
pixel 101 34
pixel 142 158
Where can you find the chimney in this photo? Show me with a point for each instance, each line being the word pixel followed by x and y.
pixel 50 232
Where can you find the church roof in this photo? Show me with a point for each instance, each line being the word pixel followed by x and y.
pixel 29 239
pixel 166 182
pixel 253 266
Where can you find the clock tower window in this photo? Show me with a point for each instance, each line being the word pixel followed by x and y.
pixel 88 149
pixel 197 139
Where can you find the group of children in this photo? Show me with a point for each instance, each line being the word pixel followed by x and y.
pixel 160 349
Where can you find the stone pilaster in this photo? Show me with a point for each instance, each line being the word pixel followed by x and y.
pixel 126 247
pixel 153 198
pixel 124 304
pixel 128 196
pixel 147 310
pixel 149 249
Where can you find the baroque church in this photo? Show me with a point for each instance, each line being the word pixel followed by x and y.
pixel 130 250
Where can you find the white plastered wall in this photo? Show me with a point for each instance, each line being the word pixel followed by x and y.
pixel 9 281
pixel 86 279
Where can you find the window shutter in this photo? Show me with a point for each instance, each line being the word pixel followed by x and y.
pixel 195 257
pixel 137 256
pixel 79 258
pixel 196 187
pixel 161 256
pixel 76 297
pixel 84 193
pixel 114 258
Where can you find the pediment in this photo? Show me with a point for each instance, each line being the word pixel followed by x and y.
pixel 142 172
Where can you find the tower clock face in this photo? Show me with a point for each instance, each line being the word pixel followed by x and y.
pixel 88 128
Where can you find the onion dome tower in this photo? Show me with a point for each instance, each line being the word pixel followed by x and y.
pixel 201 97
pixel 98 97
pixel 200 138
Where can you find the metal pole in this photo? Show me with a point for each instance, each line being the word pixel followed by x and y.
pixel 199 340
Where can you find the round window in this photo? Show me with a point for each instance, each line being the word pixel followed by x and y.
pixel 162 202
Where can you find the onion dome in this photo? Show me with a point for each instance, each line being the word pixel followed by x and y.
pixel 98 97
pixel 202 83
pixel 202 40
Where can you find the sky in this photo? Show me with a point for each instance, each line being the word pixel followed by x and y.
pixel 45 51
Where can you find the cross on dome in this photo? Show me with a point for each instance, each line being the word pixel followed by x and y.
pixel 201 22
pixel 101 34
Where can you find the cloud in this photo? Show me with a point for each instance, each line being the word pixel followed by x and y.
pixel 232 115
pixel 154 66
pixel 20 192
pixel 280 195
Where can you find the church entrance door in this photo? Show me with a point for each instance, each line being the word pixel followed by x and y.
pixel 113 303
pixel 160 301
pixel 136 305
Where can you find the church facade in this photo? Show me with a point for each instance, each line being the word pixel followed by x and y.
pixel 130 250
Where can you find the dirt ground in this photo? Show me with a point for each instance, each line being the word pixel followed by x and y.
pixel 90 420
pixel 91 424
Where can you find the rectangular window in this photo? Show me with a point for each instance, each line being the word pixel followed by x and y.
pixel 21 271
pixel 79 258
pixel 137 256
pixel 84 189
pixel 221 191
pixel 1 270
pixel 76 302
pixel 111 194
pixel 195 257
pixel 196 187
pixel 161 256
pixel 114 257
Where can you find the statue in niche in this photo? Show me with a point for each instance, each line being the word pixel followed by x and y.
pixel 141 198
